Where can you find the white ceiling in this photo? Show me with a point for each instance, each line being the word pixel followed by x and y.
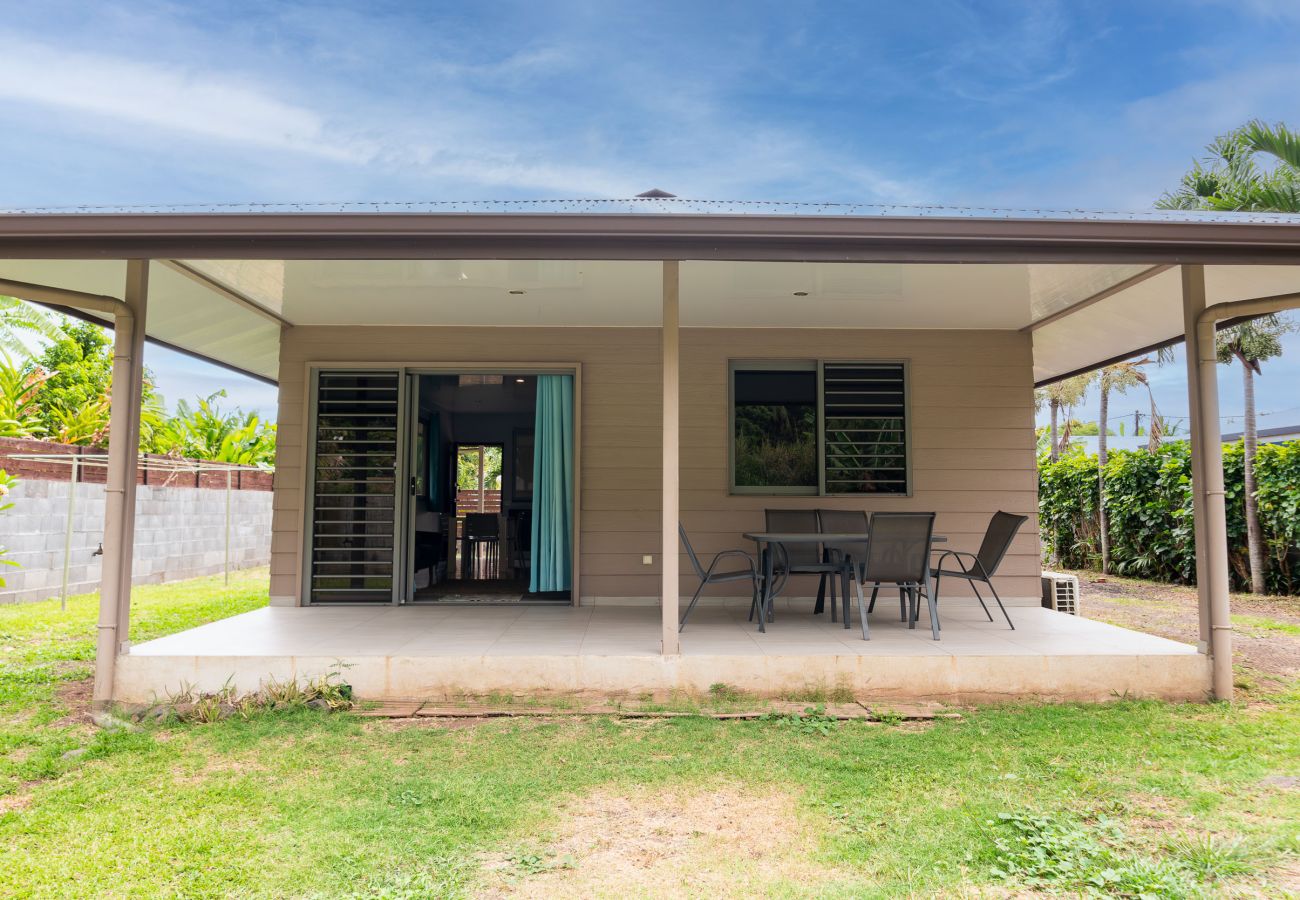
pixel 186 314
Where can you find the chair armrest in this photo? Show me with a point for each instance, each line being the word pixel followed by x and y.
pixel 725 554
pixel 957 554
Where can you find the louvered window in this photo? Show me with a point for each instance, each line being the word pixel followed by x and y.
pixel 864 428
pixel 819 428
pixel 354 487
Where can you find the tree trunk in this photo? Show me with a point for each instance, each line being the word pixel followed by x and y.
pixel 1055 452
pixel 1254 534
pixel 1101 480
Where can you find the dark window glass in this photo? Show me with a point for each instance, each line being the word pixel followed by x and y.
pixel 775 428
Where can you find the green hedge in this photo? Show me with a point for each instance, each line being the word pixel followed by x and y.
pixel 1149 503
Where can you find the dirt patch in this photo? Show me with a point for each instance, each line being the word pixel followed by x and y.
pixel 76 697
pixel 727 842
pixel 1170 611
pixel 432 724
pixel 14 802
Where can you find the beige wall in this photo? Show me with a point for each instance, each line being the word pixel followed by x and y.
pixel 972 433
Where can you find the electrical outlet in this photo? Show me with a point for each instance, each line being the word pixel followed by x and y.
pixel 647 560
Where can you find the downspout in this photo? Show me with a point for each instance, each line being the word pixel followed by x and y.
pixel 107 640
pixel 1212 493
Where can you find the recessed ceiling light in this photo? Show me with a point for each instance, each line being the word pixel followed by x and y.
pixel 518 292
pixel 801 293
pixel 519 381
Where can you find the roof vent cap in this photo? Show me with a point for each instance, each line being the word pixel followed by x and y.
pixel 656 194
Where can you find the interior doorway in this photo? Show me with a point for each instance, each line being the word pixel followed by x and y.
pixel 476 441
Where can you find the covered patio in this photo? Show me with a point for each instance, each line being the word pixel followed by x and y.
pixel 651 307
pixel 429 653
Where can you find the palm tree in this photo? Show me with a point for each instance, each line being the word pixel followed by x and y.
pixel 1063 395
pixel 1250 343
pixel 1230 178
pixel 1116 378
pixel 18 316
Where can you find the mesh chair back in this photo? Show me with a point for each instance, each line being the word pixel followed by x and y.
pixel 796 521
pixel 482 526
pixel 1002 530
pixel 690 552
pixel 845 521
pixel 898 548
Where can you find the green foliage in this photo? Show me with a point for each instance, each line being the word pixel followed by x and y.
pixel 467 469
pixel 18 316
pixel 18 389
pixel 1088 858
pixel 1149 504
pixel 80 367
pixel 776 445
pixel 209 432
pixel 1253 342
pixel 1231 178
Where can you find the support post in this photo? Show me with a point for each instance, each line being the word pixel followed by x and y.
pixel 1210 497
pixel 123 453
pixel 670 591
pixel 1193 278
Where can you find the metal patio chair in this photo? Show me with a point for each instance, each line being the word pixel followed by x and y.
pixel 980 567
pixel 711 576
pixel 851 555
pixel 898 552
pixel 799 559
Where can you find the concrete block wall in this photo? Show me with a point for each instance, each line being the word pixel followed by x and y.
pixel 179 533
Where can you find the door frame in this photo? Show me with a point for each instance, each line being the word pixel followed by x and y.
pixel 402 504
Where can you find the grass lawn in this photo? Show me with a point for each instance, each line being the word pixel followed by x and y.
pixel 1129 798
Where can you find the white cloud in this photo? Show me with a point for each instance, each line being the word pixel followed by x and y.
pixel 164 97
pixel 457 127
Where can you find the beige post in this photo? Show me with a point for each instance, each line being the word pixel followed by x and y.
pixel 1209 496
pixel 1216 531
pixel 1193 305
pixel 123 453
pixel 669 600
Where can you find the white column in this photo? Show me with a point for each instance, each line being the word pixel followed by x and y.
pixel 123 453
pixel 1193 303
pixel 669 599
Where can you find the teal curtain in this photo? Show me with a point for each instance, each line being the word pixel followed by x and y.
pixel 552 568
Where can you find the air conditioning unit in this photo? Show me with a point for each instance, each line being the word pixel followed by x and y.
pixel 1061 592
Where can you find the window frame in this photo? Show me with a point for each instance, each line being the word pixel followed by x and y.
pixel 818 366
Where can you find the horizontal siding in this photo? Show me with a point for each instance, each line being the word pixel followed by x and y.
pixel 972 433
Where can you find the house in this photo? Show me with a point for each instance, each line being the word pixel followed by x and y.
pixel 637 364
pixel 1278 435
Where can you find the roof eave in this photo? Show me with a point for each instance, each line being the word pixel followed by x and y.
pixel 641 236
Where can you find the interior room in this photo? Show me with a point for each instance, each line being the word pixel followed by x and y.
pixel 473 457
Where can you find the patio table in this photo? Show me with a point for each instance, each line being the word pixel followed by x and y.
pixel 765 539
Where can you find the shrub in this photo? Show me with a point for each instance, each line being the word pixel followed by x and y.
pixel 1149 502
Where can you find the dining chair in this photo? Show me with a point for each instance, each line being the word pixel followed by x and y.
pixel 980 567
pixel 849 554
pixel 799 559
pixel 898 552
pixel 710 575
pixel 482 531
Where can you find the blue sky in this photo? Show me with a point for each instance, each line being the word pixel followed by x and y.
pixel 1019 104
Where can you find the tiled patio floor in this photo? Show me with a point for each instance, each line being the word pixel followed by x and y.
pixel 430 651
pixel 634 631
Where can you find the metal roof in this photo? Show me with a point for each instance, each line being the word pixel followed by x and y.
pixel 667 206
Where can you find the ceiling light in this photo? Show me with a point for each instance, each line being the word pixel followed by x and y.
pixel 519 381
pixel 518 292
pixel 801 293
